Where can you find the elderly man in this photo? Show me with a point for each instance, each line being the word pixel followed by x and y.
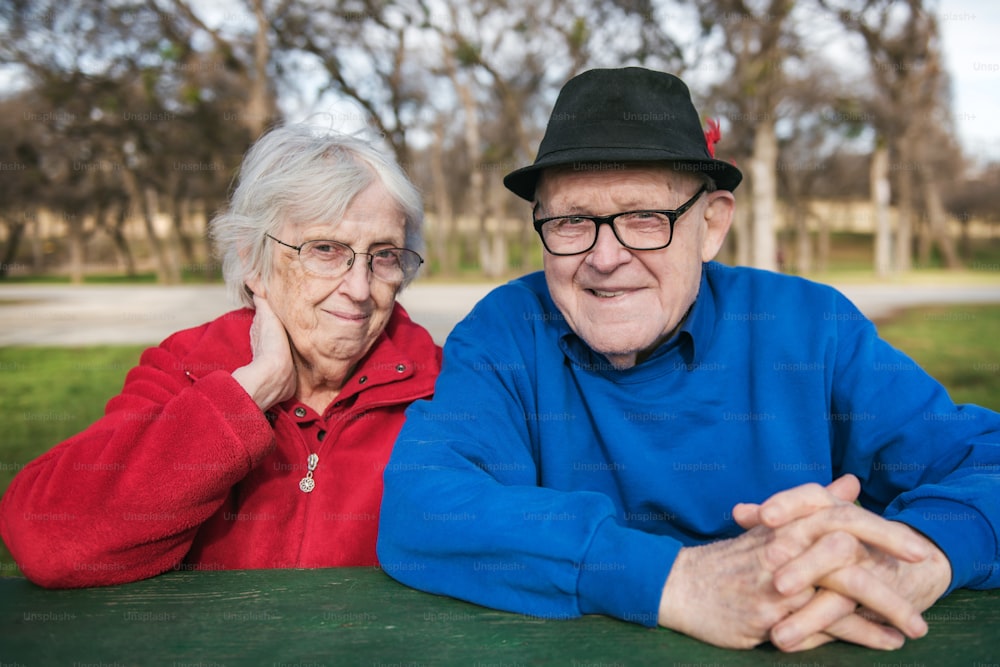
pixel 644 433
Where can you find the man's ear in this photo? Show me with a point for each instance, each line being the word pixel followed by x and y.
pixel 718 219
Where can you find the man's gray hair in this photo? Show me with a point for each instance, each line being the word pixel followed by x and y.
pixel 300 174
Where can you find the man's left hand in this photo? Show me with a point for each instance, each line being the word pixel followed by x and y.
pixel 841 565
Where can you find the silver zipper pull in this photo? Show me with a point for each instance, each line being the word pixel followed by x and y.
pixel 307 483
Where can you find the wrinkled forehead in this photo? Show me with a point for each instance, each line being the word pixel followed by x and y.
pixel 571 184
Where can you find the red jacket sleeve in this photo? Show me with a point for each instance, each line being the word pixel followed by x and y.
pixel 124 499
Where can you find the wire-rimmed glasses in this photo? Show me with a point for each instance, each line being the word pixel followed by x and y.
pixel 331 259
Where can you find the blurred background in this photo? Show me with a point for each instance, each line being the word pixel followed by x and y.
pixel 866 129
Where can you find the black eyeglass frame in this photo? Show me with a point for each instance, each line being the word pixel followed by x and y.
pixel 598 220
pixel 354 256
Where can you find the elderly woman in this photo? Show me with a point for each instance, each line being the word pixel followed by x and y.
pixel 257 440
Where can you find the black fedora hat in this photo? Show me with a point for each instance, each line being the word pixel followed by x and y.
pixel 623 115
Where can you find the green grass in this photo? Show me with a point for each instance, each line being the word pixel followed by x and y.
pixel 955 344
pixel 852 259
pixel 49 394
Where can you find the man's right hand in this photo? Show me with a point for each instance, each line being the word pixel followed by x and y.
pixel 270 377
pixel 722 593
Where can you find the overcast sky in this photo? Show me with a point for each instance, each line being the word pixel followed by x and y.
pixel 970 32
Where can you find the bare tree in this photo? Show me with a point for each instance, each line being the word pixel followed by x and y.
pixel 156 100
pixel 364 54
pixel 136 111
pixel 247 56
pixel 977 200
pixel 909 94
pixel 22 178
pixel 758 38
pixel 880 198
pixel 504 63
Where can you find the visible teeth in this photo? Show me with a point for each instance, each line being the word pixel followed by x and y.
pixel 602 293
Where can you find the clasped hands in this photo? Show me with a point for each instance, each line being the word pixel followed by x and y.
pixel 812 567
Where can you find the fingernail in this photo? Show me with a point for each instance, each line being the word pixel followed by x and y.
pixel 786 584
pixel 785 635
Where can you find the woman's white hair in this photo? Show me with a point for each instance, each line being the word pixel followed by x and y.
pixel 301 174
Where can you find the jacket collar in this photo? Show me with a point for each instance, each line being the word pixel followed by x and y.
pixel 404 351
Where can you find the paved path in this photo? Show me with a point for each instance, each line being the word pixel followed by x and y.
pixel 64 315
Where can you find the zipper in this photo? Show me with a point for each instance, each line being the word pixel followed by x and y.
pixel 307 483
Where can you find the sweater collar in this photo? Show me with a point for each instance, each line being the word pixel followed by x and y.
pixel 684 350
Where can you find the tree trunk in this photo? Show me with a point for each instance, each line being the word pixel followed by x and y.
pixel 259 103
pixel 803 238
pixel 178 216
pixel 499 249
pixel 144 201
pixel 764 167
pixel 904 221
pixel 165 271
pixel 117 231
pixel 74 232
pixel 965 239
pixel 170 244
pixel 880 196
pixel 937 222
pixel 924 243
pixel 475 203
pixel 823 244
pixel 15 230
pixel 35 239
pixel 444 220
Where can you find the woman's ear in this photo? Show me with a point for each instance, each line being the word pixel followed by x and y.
pixel 255 285
pixel 718 219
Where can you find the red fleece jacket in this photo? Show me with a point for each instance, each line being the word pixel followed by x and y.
pixel 185 471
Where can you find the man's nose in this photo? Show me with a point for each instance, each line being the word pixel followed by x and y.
pixel 608 252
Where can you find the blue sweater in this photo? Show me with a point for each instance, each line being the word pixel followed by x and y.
pixel 542 480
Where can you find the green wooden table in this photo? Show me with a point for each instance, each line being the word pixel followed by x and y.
pixel 359 616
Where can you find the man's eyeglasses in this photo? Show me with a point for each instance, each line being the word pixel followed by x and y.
pixel 636 230
pixel 332 259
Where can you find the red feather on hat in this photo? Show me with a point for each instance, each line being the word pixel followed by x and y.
pixel 712 135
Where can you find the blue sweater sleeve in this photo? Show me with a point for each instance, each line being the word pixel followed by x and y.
pixel 921 459
pixel 463 513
